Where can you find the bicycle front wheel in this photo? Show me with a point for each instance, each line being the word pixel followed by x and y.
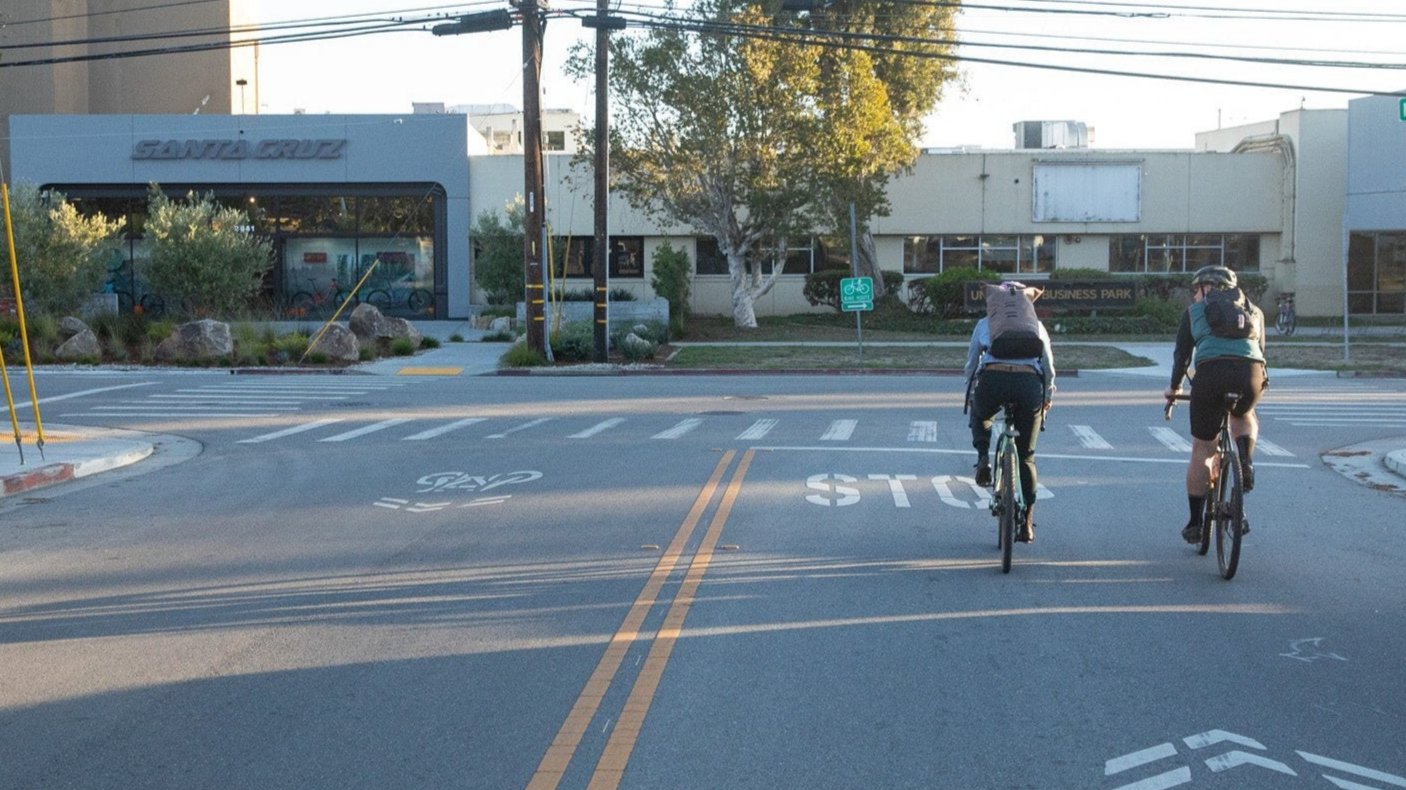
pixel 1232 514
pixel 419 300
pixel 1006 460
pixel 1285 323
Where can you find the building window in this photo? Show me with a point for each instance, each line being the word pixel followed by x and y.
pixel 1004 254
pixel 1376 273
pixel 575 256
pixel 708 259
pixel 556 141
pixel 813 255
pixel 1163 253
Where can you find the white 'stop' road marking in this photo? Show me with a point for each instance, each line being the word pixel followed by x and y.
pixel 442 429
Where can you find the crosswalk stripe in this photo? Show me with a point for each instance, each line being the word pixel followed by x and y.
pixel 1089 438
pixel 759 429
pixel 683 427
pixel 840 431
pixel 922 431
pixel 522 427
pixel 365 429
pixel 307 426
pixel 597 428
pixel 1266 446
pixel 1170 438
pixel 442 429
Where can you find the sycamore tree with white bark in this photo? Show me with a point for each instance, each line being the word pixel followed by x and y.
pixel 760 127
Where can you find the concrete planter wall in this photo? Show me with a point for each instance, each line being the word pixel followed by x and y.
pixel 622 314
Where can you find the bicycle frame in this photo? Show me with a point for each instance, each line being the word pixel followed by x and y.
pixel 1008 500
pixel 1287 319
pixel 1224 511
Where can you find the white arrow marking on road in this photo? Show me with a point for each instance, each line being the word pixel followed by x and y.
pixel 84 392
pixel 1135 759
pixel 1339 765
pixel 758 429
pixel 1089 438
pixel 597 428
pixel 442 429
pixel 1237 758
pixel 427 507
pixel 1298 650
pixel 1212 737
pixel 1171 439
pixel 1179 776
pixel 922 432
pixel 682 428
pixel 365 429
pixel 307 426
pixel 523 427
pixel 840 431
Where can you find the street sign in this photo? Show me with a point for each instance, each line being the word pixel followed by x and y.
pixel 856 293
pixel 1401 108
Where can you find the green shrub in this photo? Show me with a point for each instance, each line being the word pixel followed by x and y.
pixel 520 355
pixel 945 293
pixel 621 295
pixel 402 347
pixel 634 352
pixel 456 338
pixel 202 261
pixel 672 278
pixel 579 295
pixel 429 342
pixel 655 331
pixel 574 342
pixel 62 254
pixel 1081 274
pixel 1164 311
pixel 499 337
pixel 498 254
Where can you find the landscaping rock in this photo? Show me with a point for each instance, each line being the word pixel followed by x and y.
pixel 82 345
pixel 338 343
pixel 70 326
pixel 205 339
pixel 400 328
pixel 368 324
pixel 501 325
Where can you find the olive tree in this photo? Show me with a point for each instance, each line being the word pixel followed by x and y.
pixel 60 253
pixel 205 259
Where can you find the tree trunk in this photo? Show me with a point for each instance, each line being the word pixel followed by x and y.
pixel 744 313
pixel 869 263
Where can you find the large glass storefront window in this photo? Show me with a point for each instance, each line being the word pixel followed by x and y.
pixel 1164 253
pixel 1376 273
pixel 575 256
pixel 326 240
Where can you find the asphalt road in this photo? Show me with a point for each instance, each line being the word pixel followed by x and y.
pixel 690 582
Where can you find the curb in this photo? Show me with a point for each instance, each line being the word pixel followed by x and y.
pixel 1396 461
pixel 53 474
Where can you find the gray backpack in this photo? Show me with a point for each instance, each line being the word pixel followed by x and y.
pixel 1010 315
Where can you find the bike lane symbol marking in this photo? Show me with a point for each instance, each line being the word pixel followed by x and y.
pixel 452 482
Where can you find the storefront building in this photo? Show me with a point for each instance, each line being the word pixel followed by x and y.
pixel 373 199
pixel 1376 206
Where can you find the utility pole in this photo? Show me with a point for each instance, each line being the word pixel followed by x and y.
pixel 601 249
pixel 535 221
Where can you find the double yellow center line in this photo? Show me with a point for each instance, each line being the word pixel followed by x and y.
pixel 611 766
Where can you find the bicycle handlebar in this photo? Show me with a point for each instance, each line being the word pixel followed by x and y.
pixel 1172 402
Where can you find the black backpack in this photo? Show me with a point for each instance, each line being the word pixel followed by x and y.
pixel 1229 314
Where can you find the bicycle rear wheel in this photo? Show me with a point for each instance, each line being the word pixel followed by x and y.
pixel 1208 519
pixel 419 300
pixel 1006 460
pixel 1286 322
pixel 1232 514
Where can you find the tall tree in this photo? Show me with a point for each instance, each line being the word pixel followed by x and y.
pixel 883 68
pixel 718 135
pixel 60 252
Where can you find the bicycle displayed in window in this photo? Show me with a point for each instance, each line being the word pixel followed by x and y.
pixel 312 300
pixel 1287 319
pixel 1225 498
pixel 394 293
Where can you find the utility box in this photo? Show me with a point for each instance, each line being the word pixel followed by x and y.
pixel 1051 134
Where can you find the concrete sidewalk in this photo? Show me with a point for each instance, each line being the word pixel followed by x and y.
pixel 70 452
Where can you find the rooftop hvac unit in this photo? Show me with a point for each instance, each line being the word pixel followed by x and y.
pixel 1051 134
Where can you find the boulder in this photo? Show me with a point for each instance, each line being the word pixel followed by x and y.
pixel 400 328
pixel 338 343
pixel 69 326
pixel 205 339
pixel 368 324
pixel 501 325
pixel 82 345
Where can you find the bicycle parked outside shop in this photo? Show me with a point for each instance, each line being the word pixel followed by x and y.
pixel 1225 498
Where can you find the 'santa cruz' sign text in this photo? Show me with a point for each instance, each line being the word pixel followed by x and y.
pixel 239 149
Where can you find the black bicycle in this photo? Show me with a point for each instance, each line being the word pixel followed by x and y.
pixel 1225 498
pixel 1008 501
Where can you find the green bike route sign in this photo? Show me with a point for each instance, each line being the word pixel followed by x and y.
pixel 856 293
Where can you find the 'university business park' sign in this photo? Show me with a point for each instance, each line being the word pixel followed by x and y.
pixel 238 149
pixel 1065 294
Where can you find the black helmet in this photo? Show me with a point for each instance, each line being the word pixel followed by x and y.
pixel 1214 276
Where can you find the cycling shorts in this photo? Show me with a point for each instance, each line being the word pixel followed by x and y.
pixel 1214 378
